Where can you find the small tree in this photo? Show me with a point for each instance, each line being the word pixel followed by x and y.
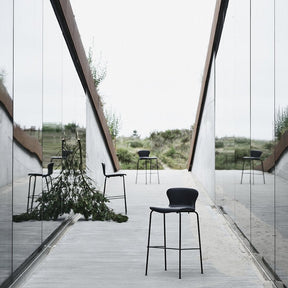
pixel 98 72
pixel 281 122
pixel 114 123
pixel 72 190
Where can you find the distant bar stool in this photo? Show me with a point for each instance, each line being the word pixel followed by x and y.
pixel 181 200
pixel 64 154
pixel 144 156
pixel 113 175
pixel 31 194
pixel 254 156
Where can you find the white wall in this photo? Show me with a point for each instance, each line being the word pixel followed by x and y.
pixel 6 136
pixel 204 159
pixel 96 151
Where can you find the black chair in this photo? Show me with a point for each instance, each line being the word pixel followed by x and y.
pixel 254 156
pixel 113 175
pixel 181 200
pixel 144 156
pixel 31 194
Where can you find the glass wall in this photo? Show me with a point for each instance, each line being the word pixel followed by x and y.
pixel 42 102
pixel 281 139
pixel 27 114
pixel 251 115
pixel 6 135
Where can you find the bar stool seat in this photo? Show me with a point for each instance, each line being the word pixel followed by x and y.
pixel 181 200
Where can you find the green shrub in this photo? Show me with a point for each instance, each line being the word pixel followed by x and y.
pixel 136 144
pixel 171 152
pixel 219 144
pixel 124 156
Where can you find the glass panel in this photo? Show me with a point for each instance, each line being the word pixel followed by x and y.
pixel 262 118
pixel 52 98
pixel 232 116
pixel 27 153
pixel 281 133
pixel 6 136
pixel 64 102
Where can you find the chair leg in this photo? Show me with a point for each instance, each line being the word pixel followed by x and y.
pixel 180 248
pixel 145 171
pixel 252 164
pixel 263 171
pixel 200 249
pixel 33 194
pixel 150 162
pixel 124 195
pixel 137 171
pixel 28 196
pixel 157 171
pixel 165 250
pixel 243 166
pixel 104 190
pixel 148 245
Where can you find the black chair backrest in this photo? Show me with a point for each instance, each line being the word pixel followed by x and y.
pixel 50 168
pixel 144 153
pixel 104 169
pixel 255 153
pixel 182 196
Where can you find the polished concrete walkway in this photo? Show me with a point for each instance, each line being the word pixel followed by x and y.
pixel 108 254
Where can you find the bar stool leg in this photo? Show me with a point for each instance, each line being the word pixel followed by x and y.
pixel 104 190
pixel 180 249
pixel 146 170
pixel 199 239
pixel 148 245
pixel 157 171
pixel 243 166
pixel 165 250
pixel 252 169
pixel 263 171
pixel 28 197
pixel 137 171
pixel 150 162
pixel 33 194
pixel 124 195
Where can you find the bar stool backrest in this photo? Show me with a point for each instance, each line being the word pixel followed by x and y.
pixel 50 168
pixel 182 197
pixel 255 153
pixel 144 153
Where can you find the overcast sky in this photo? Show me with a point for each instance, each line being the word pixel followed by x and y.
pixel 154 53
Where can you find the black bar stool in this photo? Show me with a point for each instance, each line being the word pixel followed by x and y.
pixel 181 200
pixel 112 175
pixel 144 156
pixel 254 156
pixel 31 194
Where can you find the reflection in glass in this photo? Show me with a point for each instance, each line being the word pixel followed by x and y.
pixel 262 117
pixel 251 113
pixel 27 121
pixel 6 136
pixel 281 136
pixel 232 115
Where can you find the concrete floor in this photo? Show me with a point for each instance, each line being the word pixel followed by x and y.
pixel 108 254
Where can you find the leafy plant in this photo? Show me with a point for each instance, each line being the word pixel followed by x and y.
pixel 72 191
pixel 281 122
